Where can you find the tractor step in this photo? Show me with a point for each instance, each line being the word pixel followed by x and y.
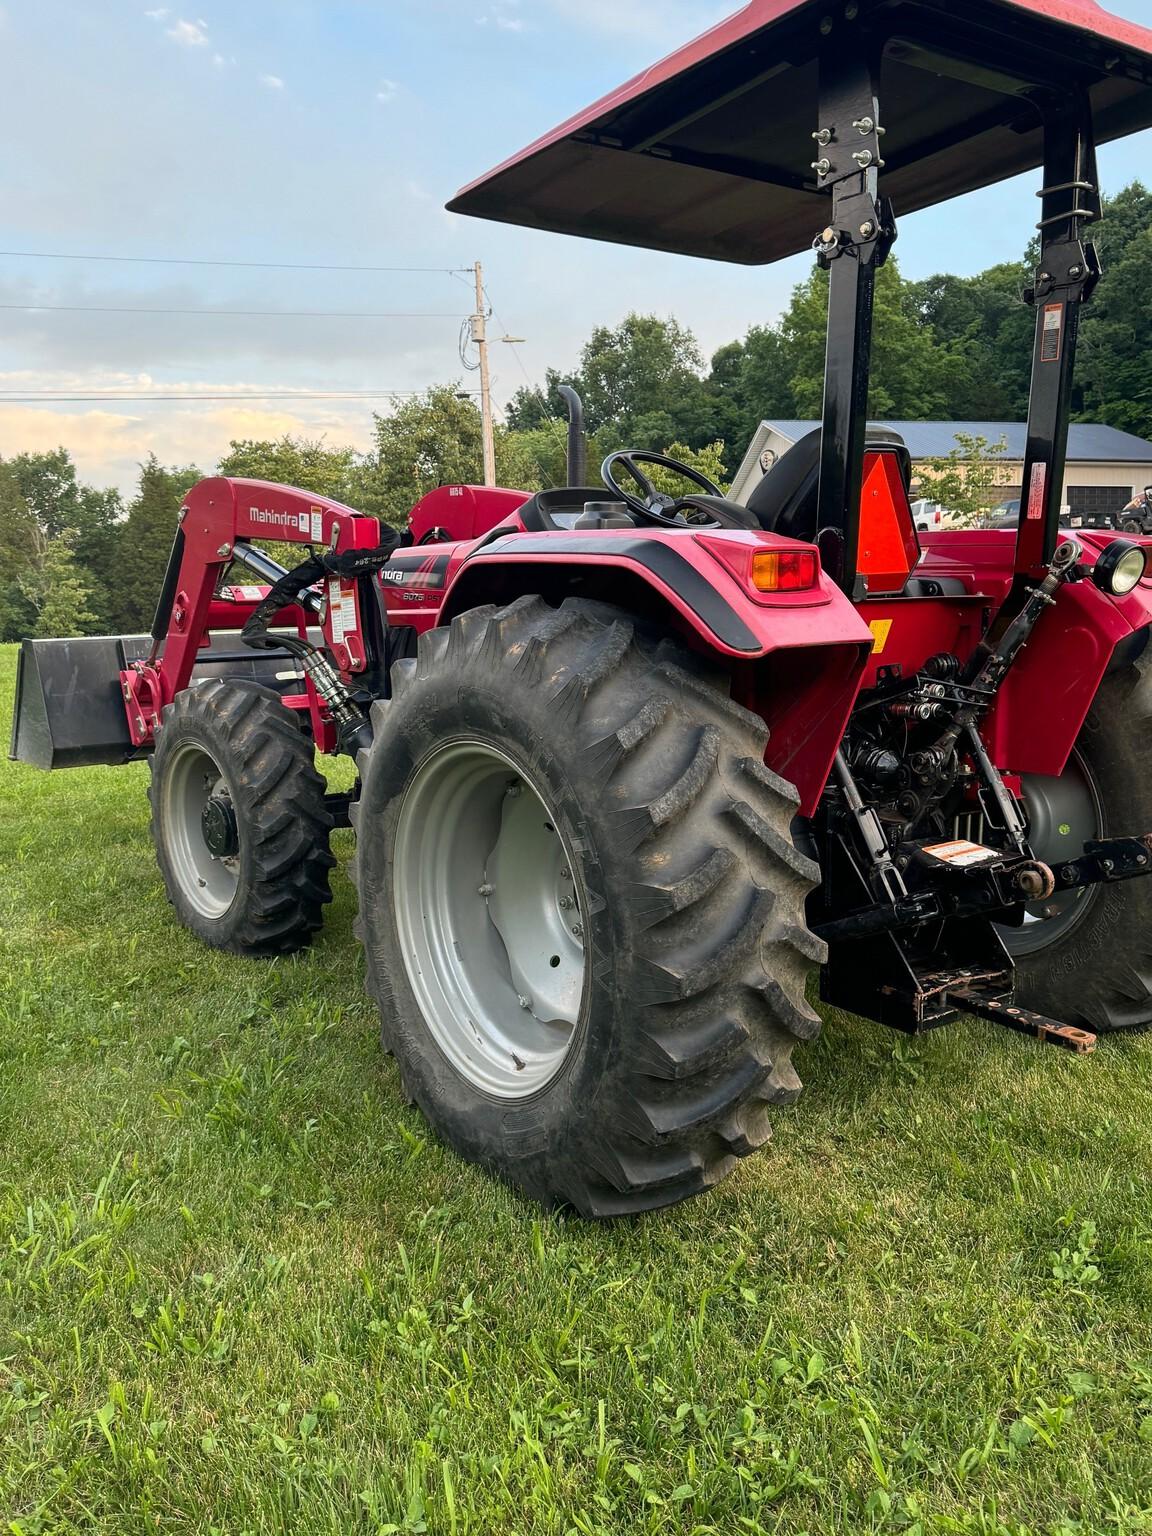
pixel 1023 1020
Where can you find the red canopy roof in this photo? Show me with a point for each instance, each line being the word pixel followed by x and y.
pixel 708 153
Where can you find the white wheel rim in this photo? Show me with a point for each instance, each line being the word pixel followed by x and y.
pixel 209 883
pixel 490 918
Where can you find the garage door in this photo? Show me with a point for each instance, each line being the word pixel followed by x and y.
pixel 1099 498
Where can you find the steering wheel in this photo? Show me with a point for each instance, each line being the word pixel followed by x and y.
pixel 711 510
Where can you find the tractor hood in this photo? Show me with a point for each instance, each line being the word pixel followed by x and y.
pixel 709 152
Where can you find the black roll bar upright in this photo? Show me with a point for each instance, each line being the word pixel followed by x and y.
pixel 853 246
pixel 1068 272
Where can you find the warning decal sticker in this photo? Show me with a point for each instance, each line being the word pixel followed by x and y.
pixel 1037 485
pixel 335 610
pixel 1052 334
pixel 962 853
pixel 881 629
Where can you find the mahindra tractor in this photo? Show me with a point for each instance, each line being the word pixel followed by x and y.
pixel 632 763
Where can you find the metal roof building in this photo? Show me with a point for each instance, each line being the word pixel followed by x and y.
pixel 1105 467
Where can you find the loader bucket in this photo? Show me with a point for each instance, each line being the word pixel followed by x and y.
pixel 69 710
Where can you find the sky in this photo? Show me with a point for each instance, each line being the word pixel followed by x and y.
pixel 331 133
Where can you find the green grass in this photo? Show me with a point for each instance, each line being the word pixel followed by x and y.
pixel 242 1289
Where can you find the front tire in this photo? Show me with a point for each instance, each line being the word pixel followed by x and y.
pixel 1095 968
pixel 238 819
pixel 647 1069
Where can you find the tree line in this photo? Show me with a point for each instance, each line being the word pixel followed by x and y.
pixel 76 559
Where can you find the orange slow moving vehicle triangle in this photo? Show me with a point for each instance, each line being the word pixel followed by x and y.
pixel 889 549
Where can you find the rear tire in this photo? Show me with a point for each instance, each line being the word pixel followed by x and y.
pixel 1097 971
pixel 689 894
pixel 261 890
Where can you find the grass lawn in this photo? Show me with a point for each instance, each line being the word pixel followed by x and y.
pixel 243 1290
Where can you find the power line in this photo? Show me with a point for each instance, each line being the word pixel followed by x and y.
pixel 198 261
pixel 283 314
pixel 366 394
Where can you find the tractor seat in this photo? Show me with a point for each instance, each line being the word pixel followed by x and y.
pixel 785 500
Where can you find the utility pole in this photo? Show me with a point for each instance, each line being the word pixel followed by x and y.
pixel 480 337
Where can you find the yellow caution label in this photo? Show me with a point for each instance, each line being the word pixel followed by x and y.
pixel 880 630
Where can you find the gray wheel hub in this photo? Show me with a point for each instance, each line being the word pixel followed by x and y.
pixel 490 918
pixel 1063 814
pixel 218 824
pixel 196 819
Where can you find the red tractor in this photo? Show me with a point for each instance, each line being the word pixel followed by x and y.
pixel 632 764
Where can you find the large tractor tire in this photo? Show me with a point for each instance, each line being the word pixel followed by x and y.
pixel 239 820
pixel 1086 957
pixel 581 908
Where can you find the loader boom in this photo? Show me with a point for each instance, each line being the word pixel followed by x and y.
pixel 218 519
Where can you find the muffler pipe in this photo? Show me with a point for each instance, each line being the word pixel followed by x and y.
pixel 577 444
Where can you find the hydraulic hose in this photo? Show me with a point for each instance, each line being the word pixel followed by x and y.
pixel 353 730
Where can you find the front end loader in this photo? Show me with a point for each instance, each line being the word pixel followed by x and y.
pixel 632 764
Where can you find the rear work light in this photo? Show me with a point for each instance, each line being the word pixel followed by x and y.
pixel 784 570
pixel 1119 567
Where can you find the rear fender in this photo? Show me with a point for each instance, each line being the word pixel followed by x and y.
pixel 1049 690
pixel 796 658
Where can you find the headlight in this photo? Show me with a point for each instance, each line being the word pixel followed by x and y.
pixel 1119 567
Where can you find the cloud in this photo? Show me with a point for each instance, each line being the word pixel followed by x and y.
pixel 272 82
pixel 109 441
pixel 387 91
pixel 108 446
pixel 189 34
pixel 79 352
pixel 158 14
pixel 503 17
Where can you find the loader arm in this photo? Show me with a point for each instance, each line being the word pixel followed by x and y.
pixel 218 518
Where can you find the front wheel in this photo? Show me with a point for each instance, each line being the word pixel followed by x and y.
pixel 1085 957
pixel 581 908
pixel 239 819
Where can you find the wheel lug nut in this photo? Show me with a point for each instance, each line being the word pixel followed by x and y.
pixel 565 902
pixel 565 874
pixel 578 930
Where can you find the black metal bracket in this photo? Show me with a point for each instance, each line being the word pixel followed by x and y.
pixel 1000 881
pixel 1065 279
pixel 1104 863
pixel 852 247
